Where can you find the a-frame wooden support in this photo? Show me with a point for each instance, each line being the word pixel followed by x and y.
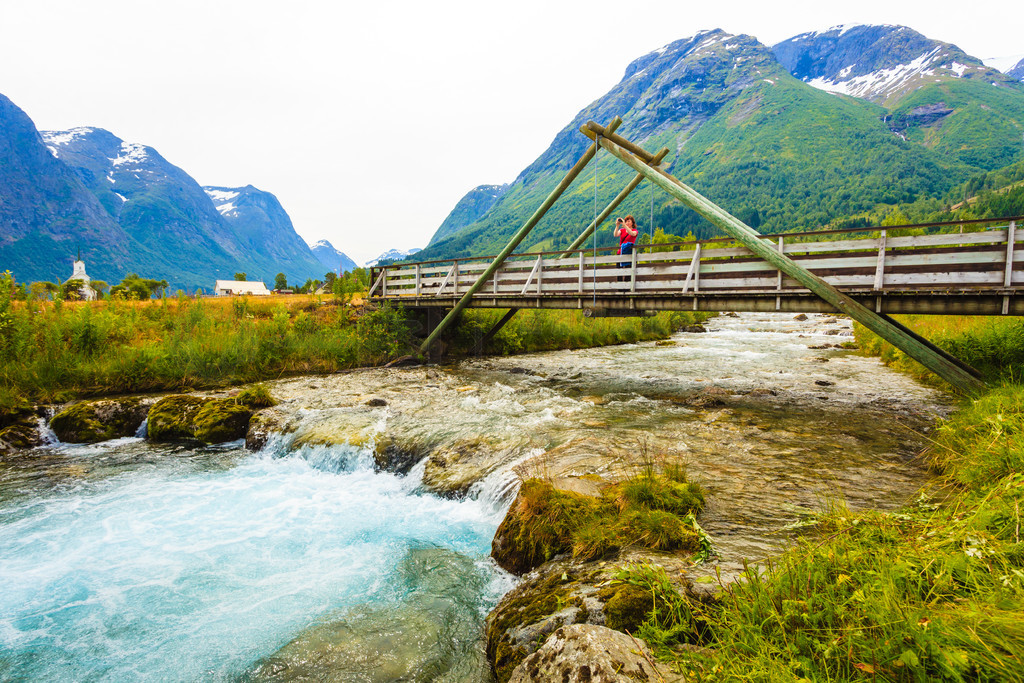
pixel 925 353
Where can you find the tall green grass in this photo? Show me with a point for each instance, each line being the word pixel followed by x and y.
pixel 52 351
pixel 993 345
pixel 931 592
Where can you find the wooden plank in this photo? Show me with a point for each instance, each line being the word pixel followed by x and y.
pixel 752 239
pixel 694 271
pixel 880 268
pixel 581 273
pixel 444 283
pixel 1010 243
pixel 532 274
pixel 632 273
pixel 380 278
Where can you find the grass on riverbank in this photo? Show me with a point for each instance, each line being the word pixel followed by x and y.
pixel 993 345
pixel 52 351
pixel 934 591
pixel 931 592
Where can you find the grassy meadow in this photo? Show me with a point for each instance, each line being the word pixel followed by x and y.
pixel 52 351
pixel 930 592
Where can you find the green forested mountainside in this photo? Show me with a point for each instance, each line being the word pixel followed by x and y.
pixel 474 204
pixel 777 152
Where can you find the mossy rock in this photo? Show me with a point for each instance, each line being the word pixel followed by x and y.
pixel 19 436
pixel 94 421
pixel 196 418
pixel 553 597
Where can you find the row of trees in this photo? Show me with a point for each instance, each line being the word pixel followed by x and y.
pixel 131 287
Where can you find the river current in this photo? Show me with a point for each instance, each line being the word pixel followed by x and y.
pixel 129 561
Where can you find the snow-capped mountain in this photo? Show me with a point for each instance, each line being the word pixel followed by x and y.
pixel 877 62
pixel 330 258
pixel 392 255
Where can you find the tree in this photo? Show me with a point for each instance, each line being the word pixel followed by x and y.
pixel 99 286
pixel 329 278
pixel 241 277
pixel 280 281
pixel 72 290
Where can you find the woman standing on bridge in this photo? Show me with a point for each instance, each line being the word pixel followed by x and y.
pixel 626 231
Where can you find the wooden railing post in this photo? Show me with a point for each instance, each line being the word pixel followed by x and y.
pixel 1011 242
pixel 417 279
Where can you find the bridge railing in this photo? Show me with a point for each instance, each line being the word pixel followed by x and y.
pixel 859 259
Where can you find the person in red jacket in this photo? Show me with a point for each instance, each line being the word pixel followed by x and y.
pixel 625 230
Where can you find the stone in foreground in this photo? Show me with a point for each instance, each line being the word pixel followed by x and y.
pixel 583 652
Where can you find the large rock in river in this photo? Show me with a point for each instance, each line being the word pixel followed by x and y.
pixel 93 421
pixel 583 653
pixel 197 418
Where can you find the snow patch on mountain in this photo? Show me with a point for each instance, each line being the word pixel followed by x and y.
pixel 392 255
pixel 131 153
pixel 55 139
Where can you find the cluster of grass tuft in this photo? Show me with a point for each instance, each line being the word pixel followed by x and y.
pixel 650 510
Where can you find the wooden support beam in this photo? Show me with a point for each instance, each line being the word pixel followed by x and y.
pixel 1011 243
pixel 494 330
pixel 444 282
pixel 753 240
pixel 517 238
pixel 614 204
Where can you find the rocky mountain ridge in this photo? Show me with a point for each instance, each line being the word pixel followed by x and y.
pixel 879 63
pixel 332 259
pixel 129 209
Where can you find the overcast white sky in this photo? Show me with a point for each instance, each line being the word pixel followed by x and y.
pixel 370 120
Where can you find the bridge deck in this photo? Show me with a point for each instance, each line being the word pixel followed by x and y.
pixel 952 273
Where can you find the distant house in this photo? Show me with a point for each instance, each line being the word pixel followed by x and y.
pixel 78 273
pixel 238 287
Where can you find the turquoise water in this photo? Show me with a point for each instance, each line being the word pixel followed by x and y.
pixel 196 565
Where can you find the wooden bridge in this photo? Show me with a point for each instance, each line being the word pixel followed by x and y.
pixel 979 271
pixel 974 268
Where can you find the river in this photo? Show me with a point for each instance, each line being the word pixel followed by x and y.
pixel 127 560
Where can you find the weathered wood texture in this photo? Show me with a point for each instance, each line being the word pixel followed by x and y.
pixel 940 265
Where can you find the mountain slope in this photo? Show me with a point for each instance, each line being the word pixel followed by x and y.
pixel 474 204
pixel 331 259
pixel 938 96
pixel 46 212
pixel 1017 71
pixel 775 151
pixel 264 232
pixel 880 63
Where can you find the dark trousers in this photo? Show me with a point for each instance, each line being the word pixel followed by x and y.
pixel 625 249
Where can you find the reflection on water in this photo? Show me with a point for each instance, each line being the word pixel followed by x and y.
pixel 128 560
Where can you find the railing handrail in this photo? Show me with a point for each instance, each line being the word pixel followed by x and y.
pixel 661 245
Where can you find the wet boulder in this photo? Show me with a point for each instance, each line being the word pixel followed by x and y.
pixel 19 436
pixel 198 418
pixel 583 653
pixel 94 421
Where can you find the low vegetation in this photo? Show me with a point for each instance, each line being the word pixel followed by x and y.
pixel 56 350
pixel 652 510
pixel 933 591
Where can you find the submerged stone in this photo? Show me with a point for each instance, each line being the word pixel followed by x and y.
pixel 94 421
pixel 430 634
pixel 197 418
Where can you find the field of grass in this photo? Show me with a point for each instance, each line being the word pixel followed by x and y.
pixel 931 592
pixel 52 351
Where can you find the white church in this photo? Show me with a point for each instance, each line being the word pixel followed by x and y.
pixel 88 293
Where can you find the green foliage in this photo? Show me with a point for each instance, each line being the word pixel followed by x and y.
pixel 545 521
pixel 384 333
pixel 536 330
pixel 280 281
pixel 241 277
pixel 256 396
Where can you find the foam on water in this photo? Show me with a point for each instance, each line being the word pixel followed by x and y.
pixel 161 574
